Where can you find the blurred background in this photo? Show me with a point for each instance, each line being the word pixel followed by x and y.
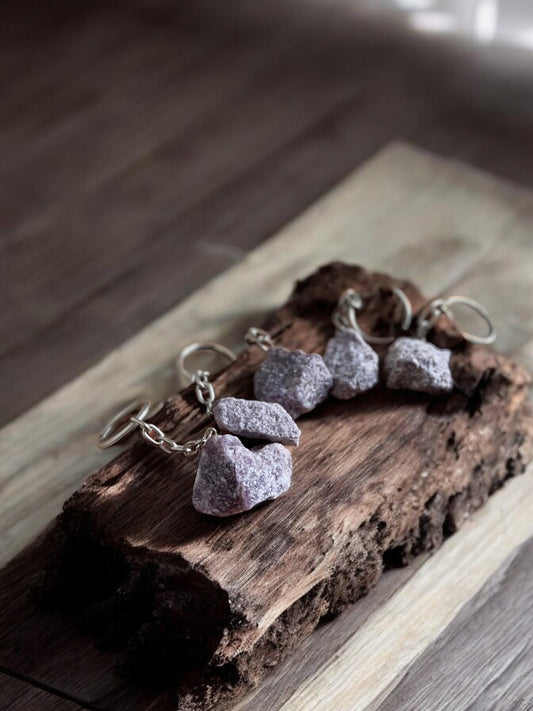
pixel 486 21
pixel 148 145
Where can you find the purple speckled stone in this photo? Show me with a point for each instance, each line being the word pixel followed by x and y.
pixel 232 479
pixel 256 419
pixel 353 364
pixel 296 380
pixel 417 365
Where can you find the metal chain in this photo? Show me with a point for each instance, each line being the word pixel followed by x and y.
pixel 429 317
pixel 135 415
pixel 205 392
pixel 257 337
pixel 153 434
pixel 344 315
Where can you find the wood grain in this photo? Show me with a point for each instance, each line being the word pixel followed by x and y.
pixel 104 689
pixel 413 618
pixel 18 695
pixel 457 671
pixel 148 146
pixel 324 643
pixel 364 618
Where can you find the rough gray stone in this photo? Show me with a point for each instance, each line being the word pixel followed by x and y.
pixel 256 419
pixel 296 380
pixel 232 479
pixel 353 364
pixel 417 365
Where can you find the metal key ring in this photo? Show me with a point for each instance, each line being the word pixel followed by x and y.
pixel 140 409
pixel 438 307
pixel 346 315
pixel 194 348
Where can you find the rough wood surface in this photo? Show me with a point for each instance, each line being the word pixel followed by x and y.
pixel 210 606
pixel 369 636
pixel 69 655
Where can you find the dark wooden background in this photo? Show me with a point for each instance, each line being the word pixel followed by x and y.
pixel 146 146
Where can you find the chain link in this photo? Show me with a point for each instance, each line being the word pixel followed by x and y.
pixel 350 302
pixel 258 337
pixel 154 435
pixel 121 425
pixel 344 315
pixel 429 317
pixel 205 392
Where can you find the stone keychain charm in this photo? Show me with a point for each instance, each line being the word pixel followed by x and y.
pixel 353 364
pixel 414 364
pixel 256 420
pixel 247 418
pixel 296 380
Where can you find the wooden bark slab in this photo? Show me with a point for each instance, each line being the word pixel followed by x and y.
pixel 209 606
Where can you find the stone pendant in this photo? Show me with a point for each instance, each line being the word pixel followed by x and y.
pixel 413 364
pixel 353 364
pixel 256 419
pixel 231 479
pixel 296 380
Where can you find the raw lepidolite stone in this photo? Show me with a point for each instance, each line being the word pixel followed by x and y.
pixel 232 479
pixel 256 419
pixel 353 364
pixel 417 365
pixel 296 380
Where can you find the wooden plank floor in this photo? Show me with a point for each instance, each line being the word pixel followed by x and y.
pixel 453 229
pixel 18 695
pixel 457 671
pixel 149 145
